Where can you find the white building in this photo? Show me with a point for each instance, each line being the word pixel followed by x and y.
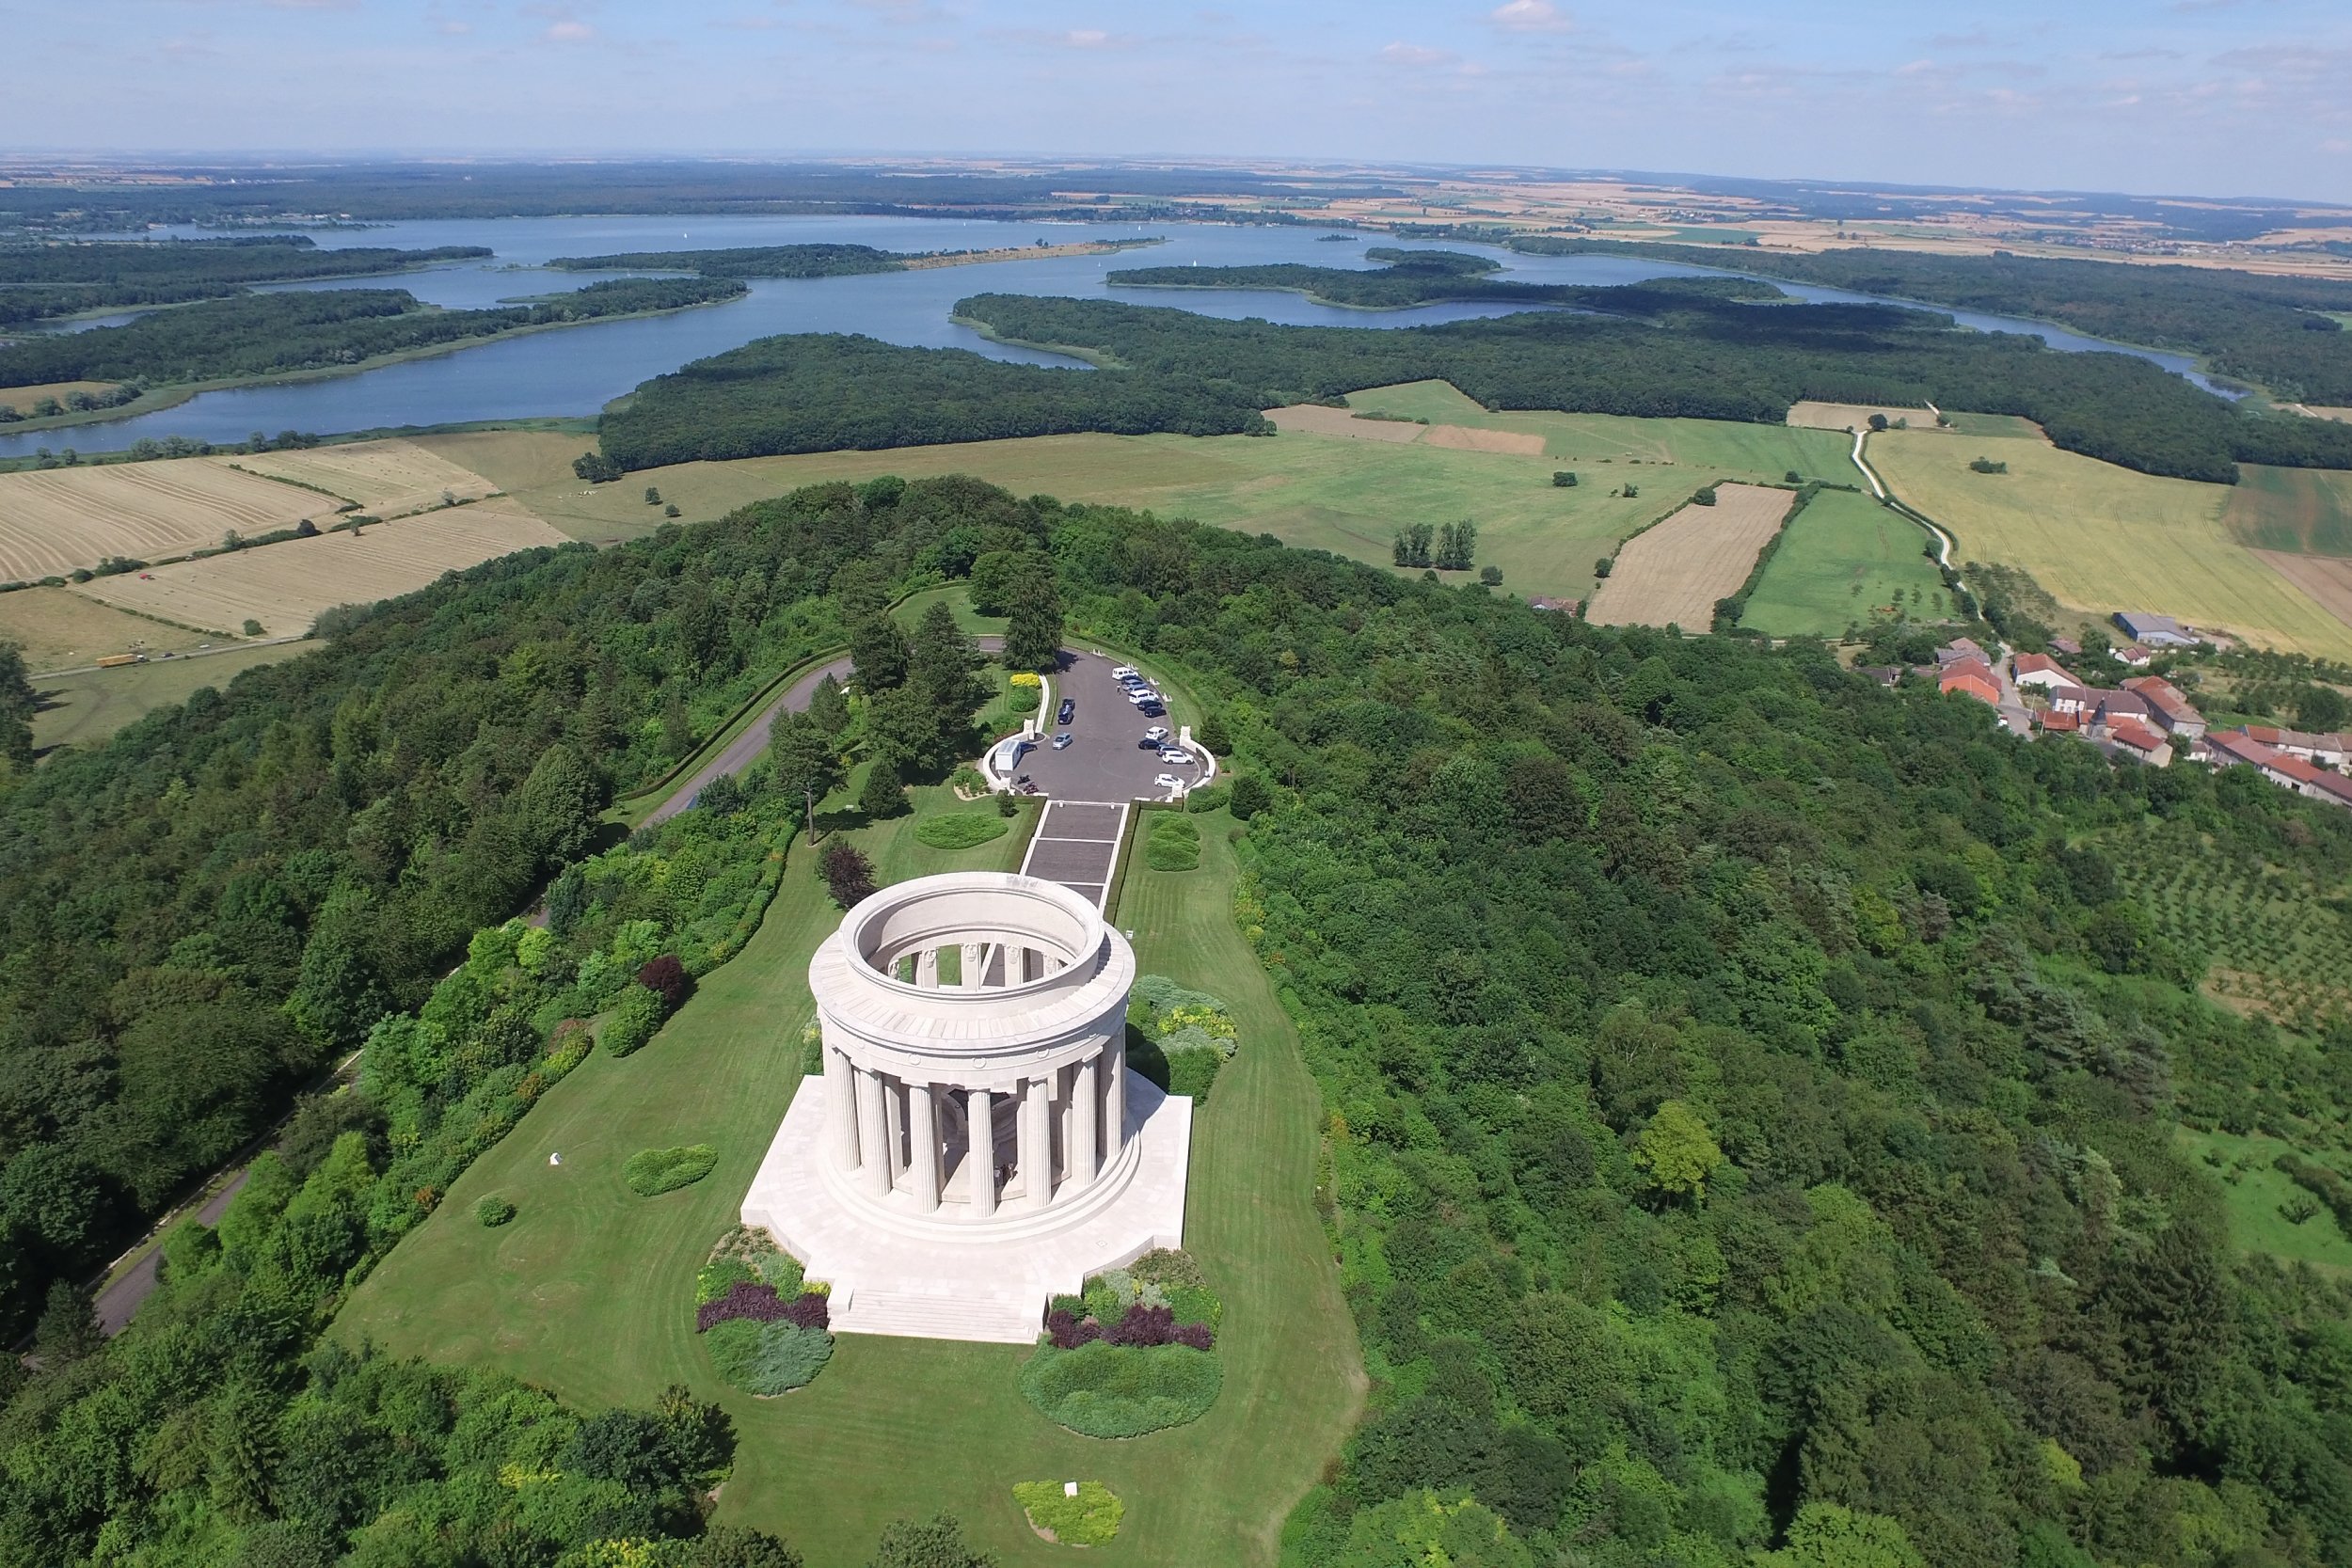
pixel 977 1144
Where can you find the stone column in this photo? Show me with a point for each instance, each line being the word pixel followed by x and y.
pixel 840 1109
pixel 923 1144
pixel 979 1152
pixel 974 961
pixel 1084 1100
pixel 1024 1138
pixel 1037 1142
pixel 927 969
pixel 1115 1098
pixel 895 1125
pixel 874 1169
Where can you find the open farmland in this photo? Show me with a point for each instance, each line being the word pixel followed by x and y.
pixel 83 709
pixel 22 398
pixel 286 586
pixel 60 629
pixel 2307 510
pixel 2102 538
pixel 1842 560
pixel 54 520
pixel 1672 574
pixel 1314 418
pixel 386 478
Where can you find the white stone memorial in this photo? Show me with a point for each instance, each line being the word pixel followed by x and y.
pixel 978 1144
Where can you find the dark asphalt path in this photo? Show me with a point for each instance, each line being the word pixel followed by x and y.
pixel 745 748
pixel 118 1301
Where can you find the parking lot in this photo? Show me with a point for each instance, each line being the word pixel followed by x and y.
pixel 1106 758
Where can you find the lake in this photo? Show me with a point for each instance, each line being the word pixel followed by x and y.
pixel 576 371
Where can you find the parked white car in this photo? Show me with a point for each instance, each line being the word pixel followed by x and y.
pixel 1169 753
pixel 1120 671
pixel 1157 732
pixel 1169 782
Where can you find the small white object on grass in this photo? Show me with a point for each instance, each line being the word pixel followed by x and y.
pixel 555 1159
pixel 1069 1488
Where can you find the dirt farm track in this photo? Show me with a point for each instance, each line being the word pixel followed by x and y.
pixel 1672 574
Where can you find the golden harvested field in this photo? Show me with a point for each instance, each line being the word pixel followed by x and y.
pixel 52 520
pixel 286 586
pixel 2101 538
pixel 22 398
pixel 60 629
pixel 2328 578
pixel 1854 415
pixel 387 478
pixel 1672 574
pixel 1462 438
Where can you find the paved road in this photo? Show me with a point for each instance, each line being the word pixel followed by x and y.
pixel 1106 759
pixel 172 658
pixel 746 747
pixel 118 1301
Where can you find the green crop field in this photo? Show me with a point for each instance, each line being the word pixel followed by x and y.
pixel 1729 449
pixel 587 1290
pixel 2253 1190
pixel 2102 538
pixel 1842 560
pixel 82 710
pixel 2306 511
pixel 2278 944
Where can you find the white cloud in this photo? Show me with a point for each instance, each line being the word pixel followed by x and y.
pixel 1530 16
pixel 1414 55
pixel 570 32
pixel 1088 37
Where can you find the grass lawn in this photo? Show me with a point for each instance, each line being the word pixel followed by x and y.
pixel 2103 538
pixel 1320 492
pixel 2252 1190
pixel 82 710
pixel 59 629
pixel 1843 558
pixel 587 1290
pixel 958 597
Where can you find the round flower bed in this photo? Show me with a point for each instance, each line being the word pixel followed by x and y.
pixel 766 1330
pixel 1088 1517
pixel 1133 1354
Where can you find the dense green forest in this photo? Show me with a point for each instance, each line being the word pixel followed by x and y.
pixel 1426 276
pixel 1663 348
pixel 269 334
pixel 1753 1112
pixel 828 392
pixel 762 261
pixel 54 279
pixel 2275 332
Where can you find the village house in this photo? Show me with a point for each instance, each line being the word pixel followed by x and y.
pixel 2041 669
pixel 2327 749
pixel 2236 748
pixel 2066 646
pixel 1971 677
pixel 2172 707
pixel 2132 739
pixel 2131 655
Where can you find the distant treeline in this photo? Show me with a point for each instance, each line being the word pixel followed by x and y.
pixel 2258 329
pixel 1427 277
pixel 829 392
pixel 269 334
pixel 52 280
pixel 759 261
pixel 1687 351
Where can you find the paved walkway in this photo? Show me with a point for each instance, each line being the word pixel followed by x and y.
pixel 119 1300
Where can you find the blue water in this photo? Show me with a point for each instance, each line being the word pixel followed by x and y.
pixel 576 371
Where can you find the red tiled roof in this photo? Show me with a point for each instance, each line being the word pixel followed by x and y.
pixel 1962 679
pixel 2132 733
pixel 2238 746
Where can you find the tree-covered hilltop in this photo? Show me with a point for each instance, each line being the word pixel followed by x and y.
pixel 198 915
pixel 1428 277
pixel 1757 1125
pixel 57 279
pixel 763 260
pixel 1669 347
pixel 2277 332
pixel 271 333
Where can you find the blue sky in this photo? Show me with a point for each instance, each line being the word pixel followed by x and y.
pixel 2221 97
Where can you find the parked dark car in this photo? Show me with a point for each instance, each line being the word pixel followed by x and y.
pixel 1068 710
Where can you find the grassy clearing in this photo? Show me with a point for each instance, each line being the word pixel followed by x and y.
pixel 2102 538
pixel 82 710
pixel 956 596
pixel 1842 559
pixel 2253 1190
pixel 1317 492
pixel 2306 511
pixel 588 1291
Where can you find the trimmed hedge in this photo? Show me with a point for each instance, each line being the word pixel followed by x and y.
pixel 767 1358
pixel 1105 1390
pixel 1090 1519
pixel 961 829
pixel 493 1212
pixel 651 1172
pixel 1173 842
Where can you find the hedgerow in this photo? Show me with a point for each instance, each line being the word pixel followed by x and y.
pixel 651 1172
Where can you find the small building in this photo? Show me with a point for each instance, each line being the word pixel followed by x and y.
pixel 1886 674
pixel 1971 677
pixel 2073 701
pixel 2056 722
pixel 2130 738
pixel 2155 631
pixel 2066 647
pixel 2108 709
pixel 1960 648
pixel 2327 749
pixel 2236 748
pixel 2318 783
pixel 2133 655
pixel 2041 669
pixel 2173 711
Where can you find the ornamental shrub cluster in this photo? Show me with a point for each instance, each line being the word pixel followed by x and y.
pixel 1172 842
pixel 1138 1326
pixel 768 1358
pixel 960 830
pixel 1088 1519
pixel 651 1172
pixel 762 1302
pixel 1105 1390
